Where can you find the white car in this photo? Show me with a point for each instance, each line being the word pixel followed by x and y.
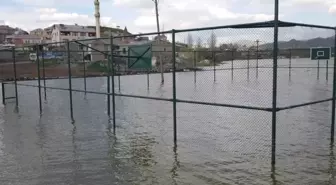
pixel 32 57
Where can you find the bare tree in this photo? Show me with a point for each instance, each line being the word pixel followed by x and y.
pixel 190 40
pixel 212 41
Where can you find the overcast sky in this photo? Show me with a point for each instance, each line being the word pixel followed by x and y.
pixel 139 16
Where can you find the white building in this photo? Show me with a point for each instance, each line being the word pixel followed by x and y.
pixel 61 32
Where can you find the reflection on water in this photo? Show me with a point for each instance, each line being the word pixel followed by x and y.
pixel 215 145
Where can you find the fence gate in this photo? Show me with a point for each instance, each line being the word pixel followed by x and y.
pixel 140 56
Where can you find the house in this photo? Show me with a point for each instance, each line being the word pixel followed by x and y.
pixel 45 34
pixel 62 32
pixel 22 40
pixel 4 31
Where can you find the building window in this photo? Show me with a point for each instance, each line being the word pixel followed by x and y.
pixel 124 50
pixel 74 34
pixel 82 34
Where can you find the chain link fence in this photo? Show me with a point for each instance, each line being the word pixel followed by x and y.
pixel 223 95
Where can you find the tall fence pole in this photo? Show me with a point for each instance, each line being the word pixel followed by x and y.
pixel 70 81
pixel 248 64
pixel 214 64
pixel 232 55
pixel 147 79
pixel 38 77
pixel 119 78
pixel 257 62
pixel 113 88
pixel 275 75
pixel 3 93
pixel 327 68
pixel 109 84
pixel 318 69
pixel 290 59
pixel 44 75
pixel 15 78
pixel 195 66
pixel 334 96
pixel 84 67
pixel 174 86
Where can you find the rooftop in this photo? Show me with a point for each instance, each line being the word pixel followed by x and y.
pixel 74 28
pixel 22 37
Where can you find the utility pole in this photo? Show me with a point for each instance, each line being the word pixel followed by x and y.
pixel 159 38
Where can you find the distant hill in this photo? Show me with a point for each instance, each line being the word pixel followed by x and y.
pixel 315 42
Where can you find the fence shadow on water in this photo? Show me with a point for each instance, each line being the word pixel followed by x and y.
pixel 232 99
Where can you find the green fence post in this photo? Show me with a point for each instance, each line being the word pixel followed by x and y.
pixel 84 66
pixel 3 93
pixel 15 78
pixel 44 76
pixel 275 76
pixel 109 84
pixel 119 77
pixel 147 79
pixel 327 68
pixel 334 96
pixel 318 69
pixel 70 81
pixel 174 86
pixel 232 58
pixel 214 64
pixel 38 77
pixel 248 64
pixel 290 59
pixel 113 86
pixel 195 66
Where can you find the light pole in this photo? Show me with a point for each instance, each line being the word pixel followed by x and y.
pixel 158 30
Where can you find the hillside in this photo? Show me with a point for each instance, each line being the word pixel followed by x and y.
pixel 316 42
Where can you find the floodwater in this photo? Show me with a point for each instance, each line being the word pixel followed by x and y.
pixel 215 145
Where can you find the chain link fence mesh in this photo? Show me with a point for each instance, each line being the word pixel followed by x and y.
pixel 223 83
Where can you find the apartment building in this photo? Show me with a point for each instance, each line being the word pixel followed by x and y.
pixel 22 40
pixel 62 32
pixel 4 31
pixel 45 34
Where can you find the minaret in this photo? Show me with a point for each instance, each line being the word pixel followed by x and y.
pixel 97 15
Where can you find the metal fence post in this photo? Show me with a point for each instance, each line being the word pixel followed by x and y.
pixel 318 69
pixel 84 66
pixel 327 68
pixel 38 77
pixel 113 84
pixel 147 79
pixel 119 78
pixel 214 64
pixel 290 59
pixel 195 66
pixel 3 93
pixel 334 96
pixel 15 78
pixel 70 81
pixel 109 84
pixel 174 86
pixel 275 75
pixel 44 76
pixel 248 63
pixel 232 55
